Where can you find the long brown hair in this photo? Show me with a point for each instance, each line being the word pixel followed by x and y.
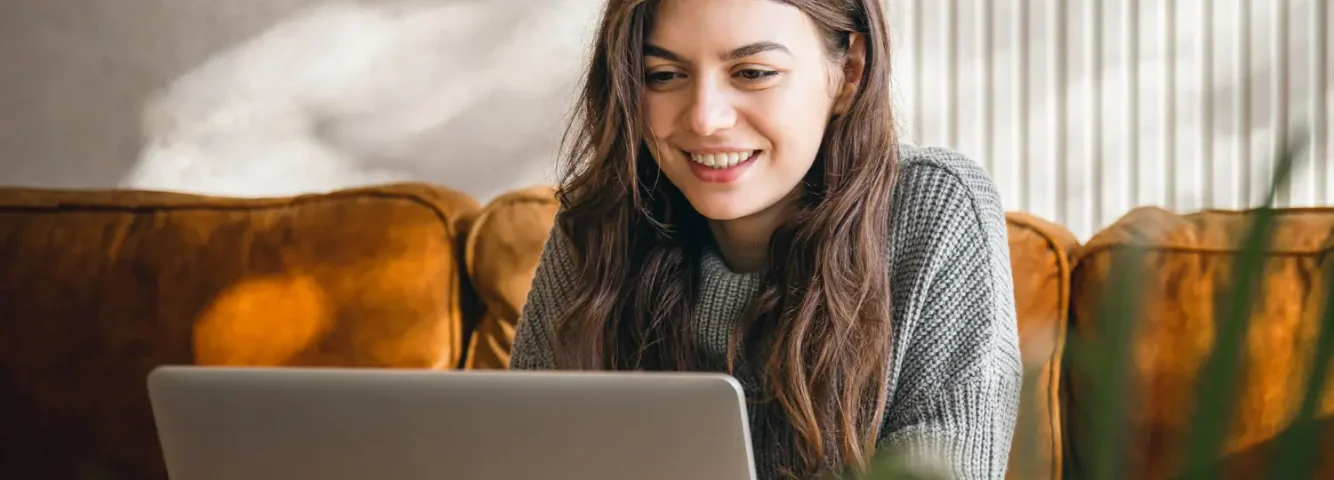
pixel 818 334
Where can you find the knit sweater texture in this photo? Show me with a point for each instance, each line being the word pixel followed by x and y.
pixel 954 374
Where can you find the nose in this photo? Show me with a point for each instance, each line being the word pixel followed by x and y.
pixel 711 110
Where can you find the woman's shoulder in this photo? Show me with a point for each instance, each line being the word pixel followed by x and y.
pixel 928 167
pixel 938 180
pixel 939 193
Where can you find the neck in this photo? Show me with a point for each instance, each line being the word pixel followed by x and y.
pixel 744 242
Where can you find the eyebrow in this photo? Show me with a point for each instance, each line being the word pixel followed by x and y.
pixel 739 52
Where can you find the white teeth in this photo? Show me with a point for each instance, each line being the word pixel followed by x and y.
pixel 721 160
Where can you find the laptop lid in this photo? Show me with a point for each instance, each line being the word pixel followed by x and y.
pixel 345 424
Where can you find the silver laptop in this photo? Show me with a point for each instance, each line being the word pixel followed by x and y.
pixel 361 424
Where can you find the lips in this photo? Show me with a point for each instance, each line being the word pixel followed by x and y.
pixel 722 166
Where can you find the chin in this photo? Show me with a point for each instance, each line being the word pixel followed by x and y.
pixel 723 207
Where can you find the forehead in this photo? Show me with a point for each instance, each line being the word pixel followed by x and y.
pixel 693 28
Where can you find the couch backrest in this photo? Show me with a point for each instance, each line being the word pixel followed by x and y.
pixel 99 287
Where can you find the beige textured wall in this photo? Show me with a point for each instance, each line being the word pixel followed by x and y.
pixel 76 71
pixel 466 93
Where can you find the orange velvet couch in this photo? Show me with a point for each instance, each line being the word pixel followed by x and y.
pixel 99 287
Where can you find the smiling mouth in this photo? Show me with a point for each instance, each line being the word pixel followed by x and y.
pixel 721 160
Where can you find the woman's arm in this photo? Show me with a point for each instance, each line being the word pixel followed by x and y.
pixel 534 335
pixel 957 393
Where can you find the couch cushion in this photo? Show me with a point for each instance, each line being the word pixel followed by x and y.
pixel 102 286
pixel 502 249
pixel 1189 264
pixel 1040 257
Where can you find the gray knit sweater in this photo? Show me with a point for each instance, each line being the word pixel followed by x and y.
pixel 955 372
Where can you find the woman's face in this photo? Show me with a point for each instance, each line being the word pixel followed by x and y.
pixel 737 97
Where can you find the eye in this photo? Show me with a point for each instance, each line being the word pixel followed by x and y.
pixel 755 74
pixel 661 77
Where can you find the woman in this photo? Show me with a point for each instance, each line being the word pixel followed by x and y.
pixel 736 201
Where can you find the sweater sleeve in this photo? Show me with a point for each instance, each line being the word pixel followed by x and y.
pixel 956 399
pixel 534 336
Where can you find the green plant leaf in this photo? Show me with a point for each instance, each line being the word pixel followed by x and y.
pixel 896 465
pixel 1215 397
pixel 1295 455
pixel 1105 363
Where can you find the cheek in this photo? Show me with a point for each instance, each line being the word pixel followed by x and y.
pixel 658 114
pixel 794 121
